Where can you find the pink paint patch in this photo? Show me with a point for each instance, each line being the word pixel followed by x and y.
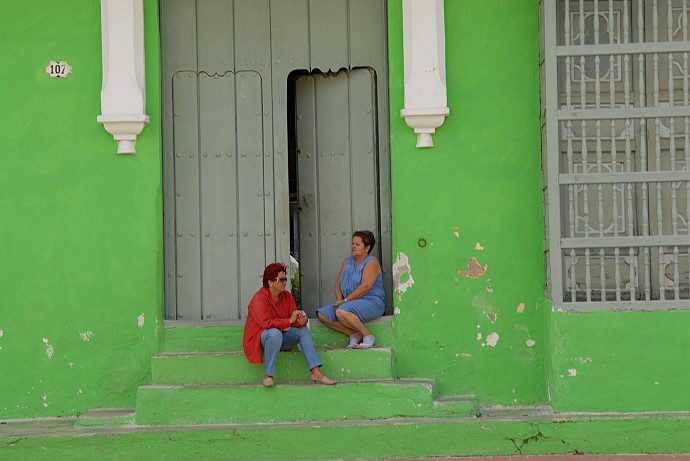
pixel 492 317
pixel 474 269
pixel 521 308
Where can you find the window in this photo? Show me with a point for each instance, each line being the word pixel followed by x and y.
pixel 616 153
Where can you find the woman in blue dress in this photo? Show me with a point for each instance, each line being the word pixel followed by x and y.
pixel 358 292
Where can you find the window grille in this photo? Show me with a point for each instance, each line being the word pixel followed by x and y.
pixel 616 153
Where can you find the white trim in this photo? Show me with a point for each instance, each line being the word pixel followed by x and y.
pixel 426 105
pixel 123 97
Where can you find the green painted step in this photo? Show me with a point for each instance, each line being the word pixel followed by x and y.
pixel 227 336
pixel 233 367
pixel 106 417
pixel 246 404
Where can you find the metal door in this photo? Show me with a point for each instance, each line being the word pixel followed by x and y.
pixel 338 169
pixel 225 74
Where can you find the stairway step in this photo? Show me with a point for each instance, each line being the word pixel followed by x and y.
pixel 227 336
pixel 107 417
pixel 245 404
pixel 233 367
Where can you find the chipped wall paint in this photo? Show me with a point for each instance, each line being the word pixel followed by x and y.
pixel 402 274
pixel 476 199
pixel 81 252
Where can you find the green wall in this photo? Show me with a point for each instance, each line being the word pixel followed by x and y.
pixel 81 273
pixel 476 194
pixel 620 361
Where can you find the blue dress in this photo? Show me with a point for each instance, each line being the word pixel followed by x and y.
pixel 368 307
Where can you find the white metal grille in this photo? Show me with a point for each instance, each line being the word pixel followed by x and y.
pixel 616 132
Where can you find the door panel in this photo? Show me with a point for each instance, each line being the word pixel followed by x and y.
pixel 186 187
pixel 226 137
pixel 218 194
pixel 338 175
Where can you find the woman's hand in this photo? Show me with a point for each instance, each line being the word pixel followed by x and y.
pixel 340 302
pixel 298 316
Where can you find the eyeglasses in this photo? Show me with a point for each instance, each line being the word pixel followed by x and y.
pixel 280 279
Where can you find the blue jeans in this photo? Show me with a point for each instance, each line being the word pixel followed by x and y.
pixel 274 340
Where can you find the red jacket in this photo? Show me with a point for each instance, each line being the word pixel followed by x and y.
pixel 265 314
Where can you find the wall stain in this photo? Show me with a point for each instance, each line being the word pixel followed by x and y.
pixel 474 269
pixel 402 274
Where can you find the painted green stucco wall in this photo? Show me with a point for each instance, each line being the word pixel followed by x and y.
pixel 81 300
pixel 476 194
pixel 81 250
pixel 619 361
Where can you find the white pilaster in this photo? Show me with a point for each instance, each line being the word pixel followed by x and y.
pixel 123 97
pixel 426 105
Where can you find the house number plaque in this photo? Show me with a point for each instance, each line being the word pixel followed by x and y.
pixel 58 69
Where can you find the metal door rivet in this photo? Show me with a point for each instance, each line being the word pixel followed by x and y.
pixel 267 193
pixel 342 153
pixel 192 234
pixel 258 194
pixel 268 154
pixel 230 234
pixel 268 234
pixel 245 234
pixel 311 234
pixel 218 154
pixel 299 117
pixel 191 155
pixel 179 155
pixel 244 154
pixel 261 234
pixel 179 276
pixel 258 154
pixel 207 234
pixel 205 154
pixel 179 234
pixel 179 194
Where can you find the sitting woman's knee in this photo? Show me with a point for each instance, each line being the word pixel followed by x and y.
pixel 274 333
pixel 339 313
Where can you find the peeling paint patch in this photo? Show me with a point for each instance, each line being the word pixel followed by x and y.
pixel 584 360
pixel 474 269
pixel 492 317
pixel 456 232
pixel 521 308
pixel 490 289
pixel 572 372
pixel 530 343
pixel 396 311
pixel 479 336
pixel 478 247
pixel 492 339
pixel 86 335
pixel 2 333
pixel 140 320
pixel 49 348
pixel 402 274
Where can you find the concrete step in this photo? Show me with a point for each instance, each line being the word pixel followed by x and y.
pixel 233 368
pixel 227 336
pixel 106 417
pixel 286 403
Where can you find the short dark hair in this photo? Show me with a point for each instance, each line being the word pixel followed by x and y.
pixel 367 239
pixel 272 270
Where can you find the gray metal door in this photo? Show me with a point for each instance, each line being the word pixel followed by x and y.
pixel 225 74
pixel 338 166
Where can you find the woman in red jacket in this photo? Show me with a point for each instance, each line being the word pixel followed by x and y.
pixel 274 324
